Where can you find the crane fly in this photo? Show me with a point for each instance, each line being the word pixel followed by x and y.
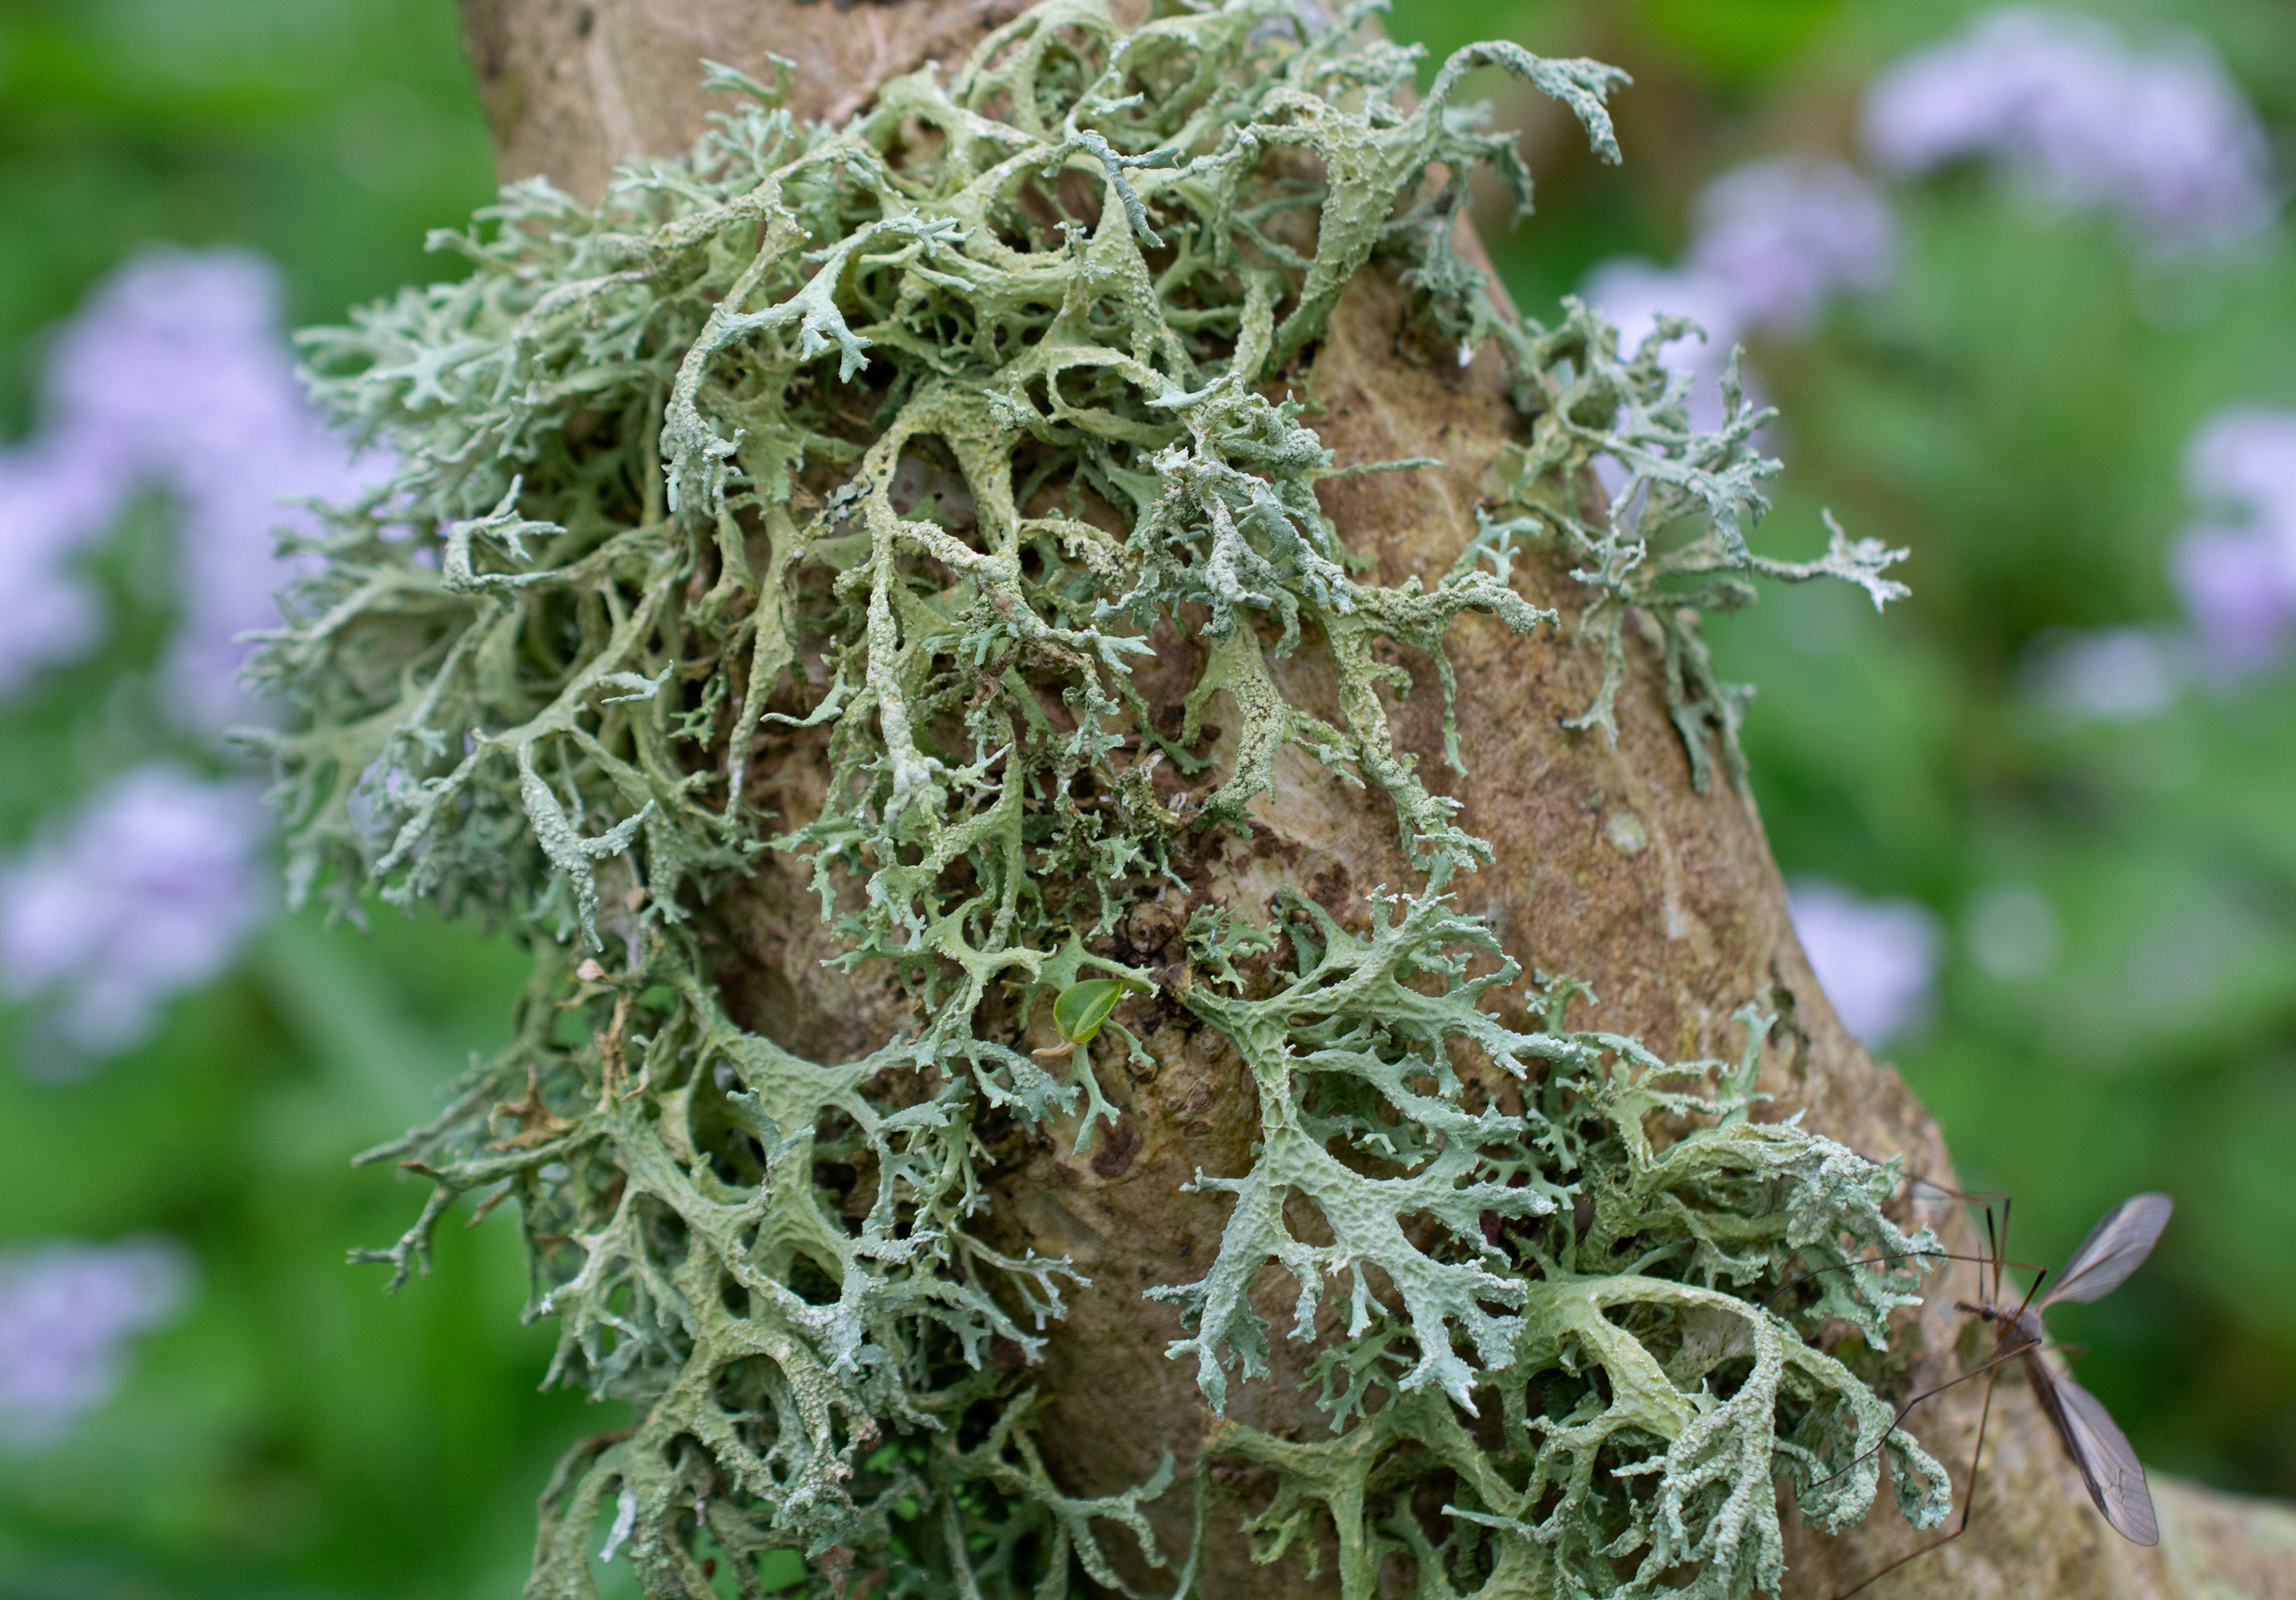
pixel 2114 1249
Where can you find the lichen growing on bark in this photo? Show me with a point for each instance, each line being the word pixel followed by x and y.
pixel 902 437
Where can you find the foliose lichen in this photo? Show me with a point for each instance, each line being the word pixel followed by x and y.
pixel 903 436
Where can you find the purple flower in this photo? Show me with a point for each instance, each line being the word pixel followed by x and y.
pixel 2116 675
pixel 1633 293
pixel 172 375
pixel 1778 239
pixel 48 500
pixel 1774 241
pixel 2237 577
pixel 2164 139
pixel 148 892
pixel 2230 583
pixel 2245 458
pixel 66 1309
pixel 1875 959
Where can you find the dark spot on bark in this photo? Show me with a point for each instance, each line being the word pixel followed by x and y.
pixel 1267 844
pixel 490 51
pixel 1238 1477
pixel 585 22
pixel 1788 1034
pixel 1115 1158
pixel 1150 931
pixel 1198 1129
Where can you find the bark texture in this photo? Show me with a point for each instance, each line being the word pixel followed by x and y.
pixel 1608 867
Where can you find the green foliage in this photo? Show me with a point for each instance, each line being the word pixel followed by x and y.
pixel 1081 1010
pixel 647 529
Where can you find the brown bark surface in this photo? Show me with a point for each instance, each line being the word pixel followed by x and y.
pixel 1608 867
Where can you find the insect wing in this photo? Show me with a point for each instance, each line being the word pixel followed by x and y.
pixel 2108 1466
pixel 2115 1247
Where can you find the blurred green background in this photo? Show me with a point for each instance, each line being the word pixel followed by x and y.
pixel 2012 407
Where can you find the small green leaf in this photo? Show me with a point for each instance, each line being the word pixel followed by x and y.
pixel 1082 1007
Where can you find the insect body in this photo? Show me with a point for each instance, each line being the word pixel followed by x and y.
pixel 2115 1248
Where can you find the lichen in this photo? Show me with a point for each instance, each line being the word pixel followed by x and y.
pixel 902 437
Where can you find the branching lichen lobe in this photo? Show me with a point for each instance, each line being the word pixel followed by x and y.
pixel 900 442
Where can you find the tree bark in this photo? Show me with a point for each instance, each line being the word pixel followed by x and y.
pixel 1608 867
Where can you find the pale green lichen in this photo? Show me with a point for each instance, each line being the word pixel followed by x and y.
pixel 645 527
pixel 1628 1260
pixel 1669 540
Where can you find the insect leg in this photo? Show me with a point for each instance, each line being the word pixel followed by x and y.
pixel 1981 1261
pixel 1966 1196
pixel 1984 1199
pixel 1896 1255
pixel 1969 1504
pixel 1991 1365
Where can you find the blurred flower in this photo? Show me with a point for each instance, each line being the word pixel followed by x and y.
pixel 1774 241
pixel 2230 585
pixel 1635 293
pixel 2237 578
pixel 1874 958
pixel 66 1309
pixel 48 501
pixel 173 375
pixel 1778 239
pixel 148 893
pixel 2163 138
pixel 2117 674
pixel 2246 457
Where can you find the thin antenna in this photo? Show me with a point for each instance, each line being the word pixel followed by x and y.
pixel 1993 1244
pixel 2001 1253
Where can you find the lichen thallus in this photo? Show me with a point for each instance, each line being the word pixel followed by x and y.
pixel 2114 1249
